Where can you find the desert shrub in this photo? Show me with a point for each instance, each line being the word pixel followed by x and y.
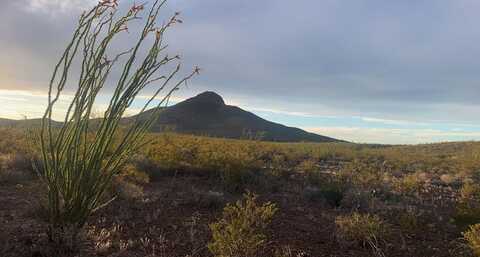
pixel 279 165
pixel 15 168
pixel 408 185
pixel 169 153
pixel 14 176
pixel 408 221
pixel 328 187
pixel 365 229
pixel 22 162
pixel 132 173
pixel 107 240
pixel 149 167
pixel 241 230
pixel 322 185
pixel 470 192
pixel 332 196
pixel 236 169
pixel 235 176
pixel 308 167
pixel 468 205
pixel 13 140
pixel 357 199
pixel 233 162
pixel 364 174
pixel 314 178
pixel 81 156
pixel 472 236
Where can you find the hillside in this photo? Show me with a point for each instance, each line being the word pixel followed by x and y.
pixel 207 114
pixel 24 123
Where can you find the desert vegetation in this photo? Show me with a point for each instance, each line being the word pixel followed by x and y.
pixel 103 187
pixel 182 195
pixel 78 159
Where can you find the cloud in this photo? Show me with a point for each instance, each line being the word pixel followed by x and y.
pixel 393 122
pixel 276 111
pixel 55 7
pixel 393 135
pixel 402 64
pixel 16 99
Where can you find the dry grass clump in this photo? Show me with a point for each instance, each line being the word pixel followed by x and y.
pixel 13 141
pixel 472 236
pixel 308 167
pixel 132 173
pixel 127 190
pixel 279 165
pixel 364 174
pixel 15 168
pixel 365 229
pixel 106 241
pixel 468 204
pixel 409 221
pixel 15 156
pixel 286 251
pixel 409 184
pixel 241 230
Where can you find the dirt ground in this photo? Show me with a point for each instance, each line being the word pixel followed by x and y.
pixel 171 219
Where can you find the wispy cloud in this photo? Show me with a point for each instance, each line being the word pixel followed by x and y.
pixel 30 93
pixel 54 7
pixel 277 111
pixel 394 135
pixel 392 122
pixel 31 104
pixel 16 99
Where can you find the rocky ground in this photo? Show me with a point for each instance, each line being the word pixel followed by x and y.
pixel 171 217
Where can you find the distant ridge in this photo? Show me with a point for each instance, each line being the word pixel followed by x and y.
pixel 24 123
pixel 207 115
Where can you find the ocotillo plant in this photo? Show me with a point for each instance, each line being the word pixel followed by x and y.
pixel 78 164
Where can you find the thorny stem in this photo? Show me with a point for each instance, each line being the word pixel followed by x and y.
pixel 78 165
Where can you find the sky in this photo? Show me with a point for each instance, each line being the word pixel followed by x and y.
pixel 368 71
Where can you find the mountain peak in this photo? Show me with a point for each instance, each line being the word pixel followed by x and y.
pixel 208 97
pixel 207 114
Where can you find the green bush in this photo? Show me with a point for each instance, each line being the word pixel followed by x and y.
pixel 472 236
pixel 235 176
pixel 241 230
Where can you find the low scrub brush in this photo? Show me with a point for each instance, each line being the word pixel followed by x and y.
pixel 241 230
